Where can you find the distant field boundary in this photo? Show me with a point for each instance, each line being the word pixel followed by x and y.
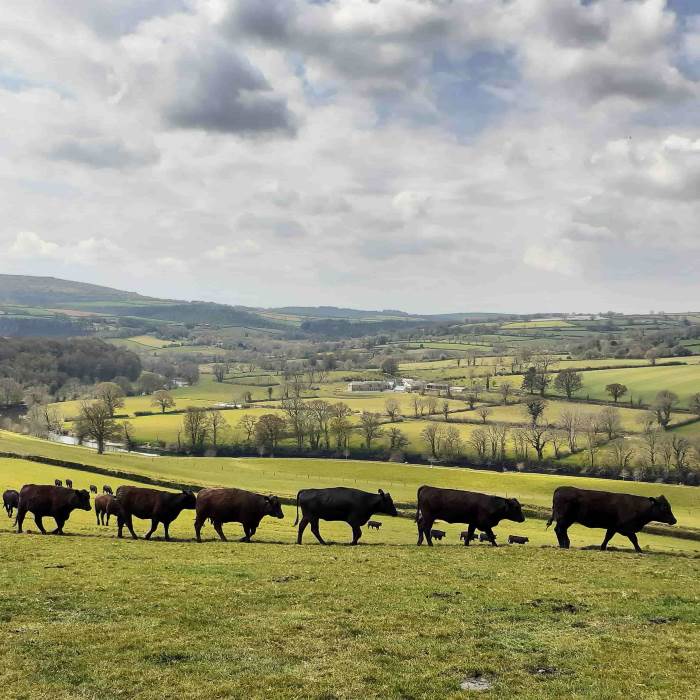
pixel 406 510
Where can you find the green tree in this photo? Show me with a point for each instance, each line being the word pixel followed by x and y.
pixel 568 381
pixel 616 391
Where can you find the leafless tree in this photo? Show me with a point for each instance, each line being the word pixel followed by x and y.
pixel 484 412
pixel 417 403
pixel 393 409
pixel 497 434
pixel 479 441
pixel 95 421
pixel 247 425
pixel 195 426
pixel 216 423
pixel 219 372
pixel 431 405
pixel 535 408
pixel 609 422
pixel 538 436
pixel 397 440
pixel 269 430
pixel 571 422
pixel 506 391
pixel 320 413
pixel 621 453
pixel 44 419
pixel 451 441
pixel 558 439
pixel 111 395
pixel 663 406
pixel 296 411
pixel 371 427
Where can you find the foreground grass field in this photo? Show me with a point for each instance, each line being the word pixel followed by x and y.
pixel 88 616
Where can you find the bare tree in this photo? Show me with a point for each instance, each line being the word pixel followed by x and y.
pixel 650 437
pixel 590 433
pixel 216 424
pixel 340 424
pixel 451 441
pixel 609 422
pixel 432 437
pixel 663 406
pixel 397 440
pixel 621 453
pixel 44 419
pixel 296 411
pixel 497 434
pixel 127 430
pixel 571 422
pixel 371 427
pixel 95 421
pixel 269 429
pixel 446 410
pixel 558 439
pixel 479 441
pixel 681 451
pixel 506 391
pixel 417 402
pixel 320 413
pixel 521 444
pixel 11 392
pixel 219 372
pixel 247 425
pixel 431 405
pixel 393 409
pixel 111 395
pixel 484 412
pixel 195 426
pixel 538 436
pixel 163 399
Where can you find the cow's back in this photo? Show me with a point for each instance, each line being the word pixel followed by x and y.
pixel 597 508
pixel 454 505
pixel 140 502
pixel 226 504
pixel 339 503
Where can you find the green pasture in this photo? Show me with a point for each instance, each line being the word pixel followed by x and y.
pixel 643 382
pixel 542 323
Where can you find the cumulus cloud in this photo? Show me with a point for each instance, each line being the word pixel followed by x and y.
pixel 342 146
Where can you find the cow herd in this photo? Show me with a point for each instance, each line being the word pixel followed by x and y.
pixel 625 514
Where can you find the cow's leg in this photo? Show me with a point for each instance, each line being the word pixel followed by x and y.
pixel 39 524
pixel 198 524
pixel 470 533
pixel 154 525
pixel 97 515
pixel 427 527
pixel 130 524
pixel 21 512
pixel 632 536
pixel 120 525
pixel 492 537
pixel 608 536
pixel 420 533
pixel 219 530
pixel 302 526
pixel 562 535
pixel 315 530
pixel 166 527
pixel 356 533
pixel 248 533
pixel 60 522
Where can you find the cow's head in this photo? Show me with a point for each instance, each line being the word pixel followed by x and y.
pixel 514 511
pixel 661 511
pixel 273 507
pixel 188 500
pixel 386 505
pixel 82 499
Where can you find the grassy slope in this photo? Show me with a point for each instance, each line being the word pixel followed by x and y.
pixel 91 616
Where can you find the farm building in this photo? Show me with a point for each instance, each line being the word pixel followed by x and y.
pixel 370 386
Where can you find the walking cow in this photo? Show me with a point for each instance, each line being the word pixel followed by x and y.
pixel 93 488
pixel 10 501
pixel 341 504
pixel 108 489
pixel 105 507
pixel 234 506
pixel 150 504
pixel 615 512
pixel 50 501
pixel 477 510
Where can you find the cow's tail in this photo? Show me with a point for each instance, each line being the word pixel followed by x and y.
pixel 296 522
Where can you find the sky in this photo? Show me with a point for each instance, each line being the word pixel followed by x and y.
pixel 426 155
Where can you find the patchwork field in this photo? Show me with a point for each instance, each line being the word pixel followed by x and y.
pixel 88 615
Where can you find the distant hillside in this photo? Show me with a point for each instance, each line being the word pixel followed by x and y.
pixel 24 290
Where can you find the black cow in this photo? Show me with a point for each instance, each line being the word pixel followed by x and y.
pixel 477 510
pixel 150 504
pixel 50 501
pixel 437 534
pixel 69 483
pixel 615 512
pixel 485 537
pixel 373 524
pixel 466 537
pixel 234 506
pixel 57 482
pixel 352 506
pixel 93 488
pixel 107 489
pixel 517 539
pixel 10 501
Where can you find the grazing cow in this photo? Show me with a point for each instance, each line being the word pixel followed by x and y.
pixel 150 504
pixel 93 488
pixel 10 501
pixel 615 512
pixel 373 524
pixel 517 539
pixel 352 506
pixel 50 501
pixel 437 534
pixel 234 506
pixel 57 482
pixel 477 510
pixel 69 483
pixel 466 537
pixel 105 507
pixel 485 537
pixel 108 489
